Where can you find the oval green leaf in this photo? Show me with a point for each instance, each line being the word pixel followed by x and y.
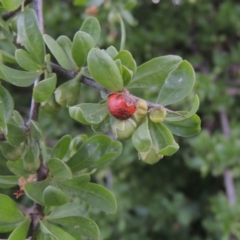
pixel 25 60
pixel 82 225
pixel 34 190
pixel 58 169
pixel 154 72
pixel 17 77
pixel 61 147
pixel 127 60
pixel 92 27
pixel 178 84
pixel 94 150
pixel 30 35
pixel 186 127
pixel 53 196
pixel 45 88
pixel 66 45
pixel 21 231
pixel 67 94
pixel 88 113
pixel 104 70
pixel 82 43
pixel 57 51
pixel 15 135
pixel 11 5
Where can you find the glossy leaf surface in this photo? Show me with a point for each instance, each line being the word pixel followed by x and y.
pixel 154 72
pixel 30 35
pixel 178 84
pixel 92 27
pixel 17 77
pixel 45 88
pixel 88 113
pixel 25 60
pixel 58 52
pixel 95 150
pixel 82 43
pixel 53 196
pixel 104 70
pixel 59 169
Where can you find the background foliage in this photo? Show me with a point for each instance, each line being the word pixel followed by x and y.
pixel 183 196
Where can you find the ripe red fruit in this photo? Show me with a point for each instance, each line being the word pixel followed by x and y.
pixel 121 105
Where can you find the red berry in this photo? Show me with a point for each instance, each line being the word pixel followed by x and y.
pixel 121 105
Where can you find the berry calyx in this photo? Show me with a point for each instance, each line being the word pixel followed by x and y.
pixel 121 105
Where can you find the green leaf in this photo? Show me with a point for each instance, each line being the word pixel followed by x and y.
pixel 103 126
pixel 163 140
pixel 45 233
pixel 15 135
pixel 94 194
pixel 126 75
pixel 61 147
pixel 17 118
pixel 31 160
pixel 82 43
pixel 96 149
pixel 112 52
pixel 127 60
pixel 58 52
pixel 66 45
pixel 174 117
pixel 67 210
pixel 141 138
pixel 10 152
pixel 67 94
pixel 81 225
pixel 25 60
pixel 186 127
pixel 51 106
pixel 92 27
pixel 34 190
pixel 152 140
pixel 6 107
pixel 59 169
pixel 9 212
pixel 88 113
pixel 53 196
pixel 30 35
pixel 35 131
pixel 154 72
pixel 58 232
pixel 17 77
pixel 17 168
pixel 11 5
pixel 104 70
pixel 178 84
pixel 21 231
pixel 8 181
pixel 45 88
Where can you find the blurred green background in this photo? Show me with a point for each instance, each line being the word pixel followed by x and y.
pixel 181 197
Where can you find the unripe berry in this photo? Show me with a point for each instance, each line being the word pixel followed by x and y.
pixel 121 105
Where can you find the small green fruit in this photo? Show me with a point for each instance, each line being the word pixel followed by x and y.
pixel 123 129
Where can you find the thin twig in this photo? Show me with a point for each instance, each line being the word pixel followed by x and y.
pixel 228 179
pixel 41 173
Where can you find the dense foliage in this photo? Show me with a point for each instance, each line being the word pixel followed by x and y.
pixel 182 196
